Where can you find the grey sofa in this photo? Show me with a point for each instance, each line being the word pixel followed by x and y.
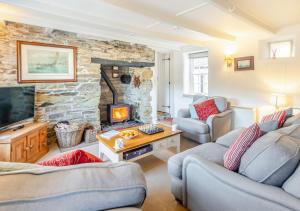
pixel 268 178
pixel 94 186
pixel 203 132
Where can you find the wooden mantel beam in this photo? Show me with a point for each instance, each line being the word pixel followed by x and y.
pixel 121 63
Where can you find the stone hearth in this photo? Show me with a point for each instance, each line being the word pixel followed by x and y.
pixel 121 125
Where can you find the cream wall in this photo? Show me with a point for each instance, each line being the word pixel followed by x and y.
pixel 254 88
pixel 251 89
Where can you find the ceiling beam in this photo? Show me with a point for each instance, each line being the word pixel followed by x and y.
pixel 159 15
pixel 233 9
pixel 92 25
pixel 191 9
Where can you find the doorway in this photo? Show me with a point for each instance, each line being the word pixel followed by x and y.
pixel 164 87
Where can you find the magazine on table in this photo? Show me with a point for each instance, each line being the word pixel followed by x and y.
pixel 110 134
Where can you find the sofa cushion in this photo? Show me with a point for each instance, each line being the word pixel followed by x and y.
pixel 205 109
pixel 232 157
pixel 292 120
pixel 292 184
pixel 13 166
pixel 289 112
pixel 199 98
pixel 71 158
pixel 191 125
pixel 271 159
pixel 92 186
pixel 268 126
pixel 193 112
pixel 279 116
pixel 292 131
pixel 221 103
pixel 210 151
pixel 227 139
pixel 196 99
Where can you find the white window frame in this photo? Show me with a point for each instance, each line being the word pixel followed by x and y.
pixel 291 41
pixel 188 75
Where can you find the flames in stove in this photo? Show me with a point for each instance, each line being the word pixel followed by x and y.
pixel 118 113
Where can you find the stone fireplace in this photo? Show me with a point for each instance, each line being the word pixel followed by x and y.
pixel 121 102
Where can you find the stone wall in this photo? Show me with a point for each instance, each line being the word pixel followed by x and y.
pixel 78 101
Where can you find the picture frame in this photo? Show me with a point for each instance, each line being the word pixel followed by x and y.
pixel 115 72
pixel 46 63
pixel 244 63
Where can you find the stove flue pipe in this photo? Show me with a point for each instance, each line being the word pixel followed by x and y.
pixel 110 85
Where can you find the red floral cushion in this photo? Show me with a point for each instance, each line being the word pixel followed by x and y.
pixel 71 158
pixel 205 109
pixel 233 155
pixel 278 116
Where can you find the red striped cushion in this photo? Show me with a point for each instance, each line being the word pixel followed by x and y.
pixel 278 116
pixel 232 157
pixel 205 109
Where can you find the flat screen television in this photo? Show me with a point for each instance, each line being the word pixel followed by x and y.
pixel 16 104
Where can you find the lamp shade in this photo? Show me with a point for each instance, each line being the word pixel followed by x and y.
pixel 278 100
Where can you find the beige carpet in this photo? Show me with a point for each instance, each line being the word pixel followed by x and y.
pixel 159 197
pixel 158 181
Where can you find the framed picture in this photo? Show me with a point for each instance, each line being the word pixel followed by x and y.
pixel 115 72
pixel 244 63
pixel 45 63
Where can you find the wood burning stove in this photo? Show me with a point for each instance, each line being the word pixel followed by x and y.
pixel 115 112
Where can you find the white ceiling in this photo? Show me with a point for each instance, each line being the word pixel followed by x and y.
pixel 167 24
pixel 276 13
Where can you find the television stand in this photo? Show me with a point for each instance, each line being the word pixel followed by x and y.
pixel 25 143
pixel 18 127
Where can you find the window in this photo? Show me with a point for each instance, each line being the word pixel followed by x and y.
pixel 198 73
pixel 281 49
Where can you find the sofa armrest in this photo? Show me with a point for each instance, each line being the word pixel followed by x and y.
pixel 93 186
pixel 184 113
pixel 204 179
pixel 219 124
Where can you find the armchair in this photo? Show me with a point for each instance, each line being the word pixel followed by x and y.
pixel 203 132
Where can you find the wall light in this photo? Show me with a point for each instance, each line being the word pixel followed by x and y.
pixel 228 60
pixel 278 100
pixel 229 51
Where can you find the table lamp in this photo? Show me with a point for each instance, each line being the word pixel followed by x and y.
pixel 278 100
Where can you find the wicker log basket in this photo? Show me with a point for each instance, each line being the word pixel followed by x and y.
pixel 68 135
pixel 90 135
